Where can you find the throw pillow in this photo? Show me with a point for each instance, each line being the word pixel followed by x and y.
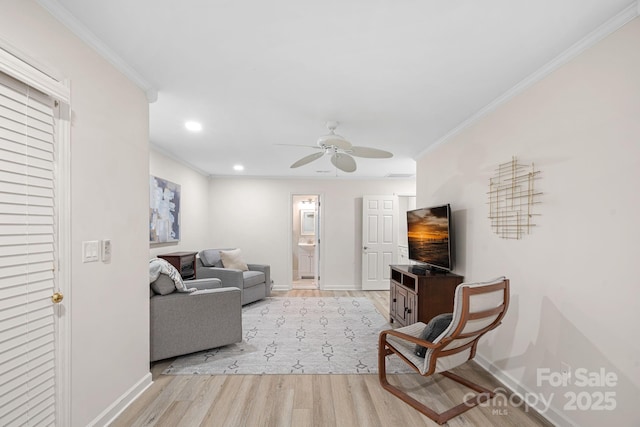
pixel 233 259
pixel 434 328
pixel 163 285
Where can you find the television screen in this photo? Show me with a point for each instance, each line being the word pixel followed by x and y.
pixel 429 235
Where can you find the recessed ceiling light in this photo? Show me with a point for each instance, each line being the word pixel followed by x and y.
pixel 193 126
pixel 238 168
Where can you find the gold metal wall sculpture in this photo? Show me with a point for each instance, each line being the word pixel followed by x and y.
pixel 511 199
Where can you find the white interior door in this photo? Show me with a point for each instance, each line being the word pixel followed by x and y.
pixel 379 240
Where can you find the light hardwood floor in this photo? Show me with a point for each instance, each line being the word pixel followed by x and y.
pixel 313 400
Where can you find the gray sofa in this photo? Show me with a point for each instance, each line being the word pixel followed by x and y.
pixel 255 283
pixel 183 323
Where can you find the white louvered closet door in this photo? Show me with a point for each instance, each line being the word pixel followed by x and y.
pixel 27 256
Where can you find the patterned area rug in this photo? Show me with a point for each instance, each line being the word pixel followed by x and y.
pixel 336 335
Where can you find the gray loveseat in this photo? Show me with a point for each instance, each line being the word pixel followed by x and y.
pixel 183 323
pixel 255 283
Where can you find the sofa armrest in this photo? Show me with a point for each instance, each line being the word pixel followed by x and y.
pixel 259 267
pixel 266 269
pixel 210 283
pixel 228 276
pixel 183 323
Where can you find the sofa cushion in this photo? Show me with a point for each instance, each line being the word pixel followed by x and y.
pixel 233 259
pixel 252 278
pixel 163 285
pixel 210 258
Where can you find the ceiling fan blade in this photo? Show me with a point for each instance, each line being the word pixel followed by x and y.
pixel 300 145
pixel 370 153
pixel 307 159
pixel 344 162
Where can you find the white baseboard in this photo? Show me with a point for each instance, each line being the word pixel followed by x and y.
pixel 345 287
pixel 551 414
pixel 119 405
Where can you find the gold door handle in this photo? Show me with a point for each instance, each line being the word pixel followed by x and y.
pixel 57 298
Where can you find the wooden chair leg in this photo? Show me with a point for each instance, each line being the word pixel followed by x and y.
pixel 383 351
pixel 440 418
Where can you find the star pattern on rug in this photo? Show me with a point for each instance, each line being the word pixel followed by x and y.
pixel 251 334
pixel 304 335
pixel 301 334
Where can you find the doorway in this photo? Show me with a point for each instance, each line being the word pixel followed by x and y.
pixel 305 241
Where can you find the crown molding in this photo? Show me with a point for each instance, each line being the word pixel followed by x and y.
pixel 613 24
pixel 80 30
pixel 28 70
pixel 173 157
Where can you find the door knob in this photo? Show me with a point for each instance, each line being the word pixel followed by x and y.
pixel 365 248
pixel 57 298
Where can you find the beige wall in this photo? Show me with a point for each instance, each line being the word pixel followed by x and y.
pixel 575 294
pixel 195 224
pixel 109 200
pixel 255 215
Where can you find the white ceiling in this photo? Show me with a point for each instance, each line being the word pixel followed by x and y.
pixel 397 75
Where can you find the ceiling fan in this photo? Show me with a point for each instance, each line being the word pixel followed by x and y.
pixel 341 151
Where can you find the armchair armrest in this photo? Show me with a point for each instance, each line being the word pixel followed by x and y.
pixel 406 337
pixel 228 276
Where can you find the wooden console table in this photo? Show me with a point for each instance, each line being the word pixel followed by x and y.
pixel 420 297
pixel 184 262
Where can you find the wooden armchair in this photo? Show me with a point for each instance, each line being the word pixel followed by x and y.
pixel 478 308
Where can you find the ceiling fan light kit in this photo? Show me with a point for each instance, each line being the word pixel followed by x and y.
pixel 341 151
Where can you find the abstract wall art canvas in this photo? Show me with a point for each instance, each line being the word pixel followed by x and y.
pixel 164 210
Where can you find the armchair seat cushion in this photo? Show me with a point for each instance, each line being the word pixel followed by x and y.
pixel 252 278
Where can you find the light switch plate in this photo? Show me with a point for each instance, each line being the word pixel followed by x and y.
pixel 91 251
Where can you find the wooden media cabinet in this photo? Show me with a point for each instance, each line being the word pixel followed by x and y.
pixel 420 297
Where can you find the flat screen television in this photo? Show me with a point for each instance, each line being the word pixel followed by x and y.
pixel 430 238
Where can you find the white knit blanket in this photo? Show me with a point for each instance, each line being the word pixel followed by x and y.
pixel 159 266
